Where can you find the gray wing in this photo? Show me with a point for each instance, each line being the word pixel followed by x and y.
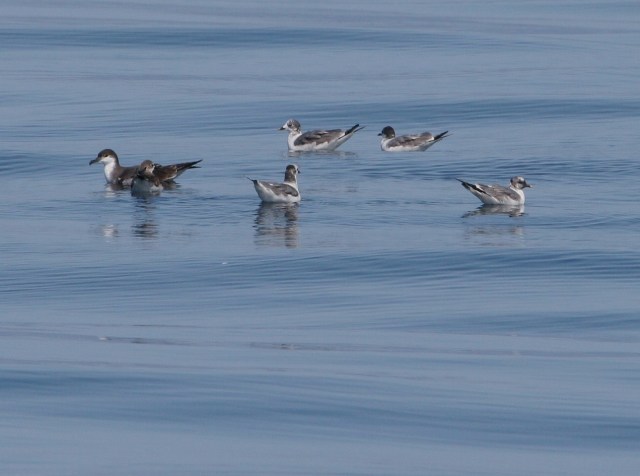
pixel 413 140
pixel 319 137
pixel 280 188
pixel 498 191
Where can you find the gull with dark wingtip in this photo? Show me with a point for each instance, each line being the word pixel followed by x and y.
pixel 116 174
pixel 408 142
pixel 316 140
pixel 497 194
pixel 286 192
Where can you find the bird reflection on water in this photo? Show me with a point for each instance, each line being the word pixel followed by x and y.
pixel 494 233
pixel 144 223
pixel 510 210
pixel 276 224
pixel 109 231
pixel 321 153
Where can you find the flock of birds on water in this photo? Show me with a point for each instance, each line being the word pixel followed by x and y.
pixel 151 178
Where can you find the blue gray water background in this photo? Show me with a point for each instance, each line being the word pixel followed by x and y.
pixel 387 324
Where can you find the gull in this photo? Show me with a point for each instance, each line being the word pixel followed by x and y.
pixel 497 194
pixel 409 142
pixel 317 140
pixel 286 192
pixel 116 174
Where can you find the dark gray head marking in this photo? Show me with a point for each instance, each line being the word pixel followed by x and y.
pixel 103 154
pixel 388 132
pixel 519 183
pixel 291 172
pixel 292 125
pixel 106 153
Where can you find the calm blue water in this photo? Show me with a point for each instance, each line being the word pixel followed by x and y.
pixel 386 325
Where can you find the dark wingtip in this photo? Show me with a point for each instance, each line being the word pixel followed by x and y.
pixel 464 183
pixel 354 129
pixel 441 135
pixel 181 167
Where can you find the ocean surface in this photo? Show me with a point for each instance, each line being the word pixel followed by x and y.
pixel 386 325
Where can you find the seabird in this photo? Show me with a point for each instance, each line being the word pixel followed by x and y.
pixel 497 194
pixel 317 140
pixel 116 174
pixel 408 142
pixel 286 192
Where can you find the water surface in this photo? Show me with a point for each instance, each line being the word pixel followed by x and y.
pixel 385 325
